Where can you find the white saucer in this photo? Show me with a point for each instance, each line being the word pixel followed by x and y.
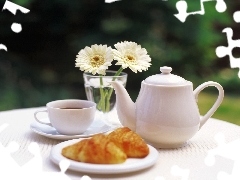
pixel 96 127
pixel 130 165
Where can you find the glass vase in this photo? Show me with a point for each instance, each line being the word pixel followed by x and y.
pixel 99 90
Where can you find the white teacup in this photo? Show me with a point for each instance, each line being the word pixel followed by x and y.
pixel 70 116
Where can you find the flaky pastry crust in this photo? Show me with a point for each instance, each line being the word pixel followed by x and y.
pixel 97 150
pixel 113 148
pixel 130 142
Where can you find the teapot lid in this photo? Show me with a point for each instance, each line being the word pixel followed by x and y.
pixel 165 78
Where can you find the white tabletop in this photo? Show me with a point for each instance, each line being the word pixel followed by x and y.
pixel 188 162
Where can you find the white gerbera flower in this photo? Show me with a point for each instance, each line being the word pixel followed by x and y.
pixel 130 54
pixel 95 59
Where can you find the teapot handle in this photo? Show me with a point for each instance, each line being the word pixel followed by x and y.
pixel 217 103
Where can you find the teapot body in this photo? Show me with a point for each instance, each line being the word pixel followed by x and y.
pixel 167 116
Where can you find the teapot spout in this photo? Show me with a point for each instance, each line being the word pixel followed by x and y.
pixel 125 106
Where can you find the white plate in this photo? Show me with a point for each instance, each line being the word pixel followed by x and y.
pixel 96 127
pixel 130 165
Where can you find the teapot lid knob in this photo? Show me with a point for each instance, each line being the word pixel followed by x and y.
pixel 165 70
pixel 166 78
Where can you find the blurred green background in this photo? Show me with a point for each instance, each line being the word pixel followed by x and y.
pixel 40 63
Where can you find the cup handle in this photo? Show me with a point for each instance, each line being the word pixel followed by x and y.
pixel 217 103
pixel 38 120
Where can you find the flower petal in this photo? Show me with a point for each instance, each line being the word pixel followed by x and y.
pixel 96 59
pixel 132 55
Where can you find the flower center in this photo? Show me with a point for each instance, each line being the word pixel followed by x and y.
pixel 97 60
pixel 130 59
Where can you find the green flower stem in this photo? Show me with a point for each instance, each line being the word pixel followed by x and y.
pixel 107 102
pixel 101 104
pixel 104 102
pixel 117 73
pixel 111 90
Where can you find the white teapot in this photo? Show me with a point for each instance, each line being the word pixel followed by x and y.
pixel 165 114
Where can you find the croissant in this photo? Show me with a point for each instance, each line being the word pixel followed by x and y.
pixel 130 142
pixel 72 151
pixel 98 150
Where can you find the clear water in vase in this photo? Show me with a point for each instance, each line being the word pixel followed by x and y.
pixel 93 94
